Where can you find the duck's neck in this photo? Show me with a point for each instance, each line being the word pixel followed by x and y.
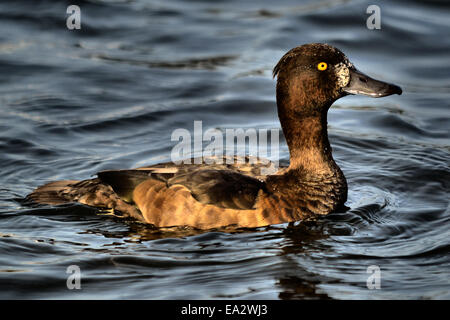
pixel 307 139
pixel 313 180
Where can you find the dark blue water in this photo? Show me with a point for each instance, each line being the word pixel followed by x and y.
pixel 108 96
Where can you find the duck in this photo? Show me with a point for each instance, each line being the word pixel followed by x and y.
pixel 310 78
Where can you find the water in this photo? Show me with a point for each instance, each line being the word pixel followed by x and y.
pixel 109 95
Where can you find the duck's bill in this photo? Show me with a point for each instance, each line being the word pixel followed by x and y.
pixel 363 84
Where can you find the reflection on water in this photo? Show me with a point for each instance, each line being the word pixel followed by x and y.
pixel 109 95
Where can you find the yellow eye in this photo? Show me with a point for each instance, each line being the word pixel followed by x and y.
pixel 322 66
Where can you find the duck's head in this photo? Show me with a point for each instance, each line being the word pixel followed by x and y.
pixel 311 77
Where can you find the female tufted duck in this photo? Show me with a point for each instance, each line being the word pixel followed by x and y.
pixel 309 79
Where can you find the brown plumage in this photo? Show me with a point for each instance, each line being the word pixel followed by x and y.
pixel 212 196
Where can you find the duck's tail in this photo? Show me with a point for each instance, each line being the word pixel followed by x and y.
pixel 54 193
pixel 92 192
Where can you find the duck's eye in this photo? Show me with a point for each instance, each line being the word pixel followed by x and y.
pixel 322 66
